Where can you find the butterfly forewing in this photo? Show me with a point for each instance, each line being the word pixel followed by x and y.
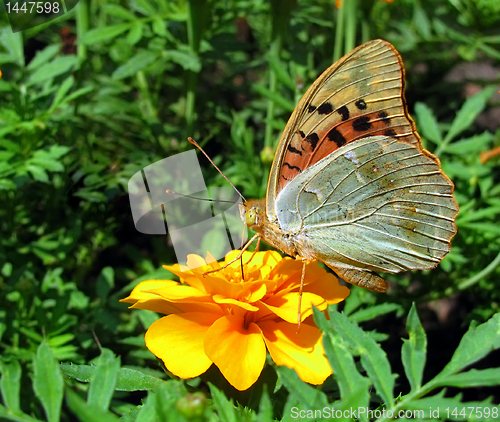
pixel 377 204
pixel 359 96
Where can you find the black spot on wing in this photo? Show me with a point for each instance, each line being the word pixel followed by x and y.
pixel 311 108
pixel 293 150
pixel 325 108
pixel 292 167
pixel 360 104
pixel 344 113
pixel 362 124
pixel 335 136
pixel 313 139
pixel 390 132
pixel 384 117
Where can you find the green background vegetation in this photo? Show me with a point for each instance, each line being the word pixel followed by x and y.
pixel 78 120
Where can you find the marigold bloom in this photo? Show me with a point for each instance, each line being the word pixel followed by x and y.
pixel 222 319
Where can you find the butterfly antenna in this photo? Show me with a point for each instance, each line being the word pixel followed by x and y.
pixel 174 193
pixel 192 141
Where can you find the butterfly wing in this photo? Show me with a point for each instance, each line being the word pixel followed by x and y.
pixel 377 204
pixel 360 95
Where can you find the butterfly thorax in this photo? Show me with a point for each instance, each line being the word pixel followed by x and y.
pixel 253 214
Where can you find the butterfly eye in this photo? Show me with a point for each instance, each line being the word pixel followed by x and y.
pixel 251 217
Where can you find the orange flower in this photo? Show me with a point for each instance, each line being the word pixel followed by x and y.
pixel 225 320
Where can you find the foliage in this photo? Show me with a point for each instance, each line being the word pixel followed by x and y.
pixel 77 121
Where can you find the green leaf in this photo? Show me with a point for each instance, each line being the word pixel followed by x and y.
pixel 91 196
pixel 105 282
pixel 13 43
pixel 427 123
pixel 56 67
pixel 469 111
pixel 135 64
pixel 474 215
pixel 372 312
pixel 86 412
pixel 475 344
pixel 165 400
pixel 58 341
pixel 119 12
pixel 353 407
pixel 103 380
pixel 43 56
pixel 225 408
pixel 159 27
pixel 135 33
pixel 49 159
pixel 491 229
pixel 61 92
pixel 473 378
pixel 275 97
pixel 145 7
pixel 414 350
pixel 265 406
pixel 128 379
pixel 280 70
pixel 186 59
pixel 48 382
pixel 38 173
pixel 78 93
pixel 309 397
pixel 472 145
pixel 106 33
pixel 373 358
pixel 338 353
pixel 421 21
pixel 147 412
pixel 10 384
pixel 7 415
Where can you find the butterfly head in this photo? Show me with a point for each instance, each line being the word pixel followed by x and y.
pixel 252 213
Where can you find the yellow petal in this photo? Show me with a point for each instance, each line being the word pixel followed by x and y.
pixel 303 351
pixel 178 341
pixel 157 305
pixel 238 351
pixel 328 287
pixel 254 259
pixel 141 291
pixel 287 306
pixel 293 274
pixel 182 292
pixel 195 261
pixel 252 292
pixel 243 305
pixel 163 307
pixel 222 285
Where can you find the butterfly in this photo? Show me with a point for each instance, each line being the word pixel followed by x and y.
pixel 351 184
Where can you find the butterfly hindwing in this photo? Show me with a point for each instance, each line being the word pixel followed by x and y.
pixel 378 204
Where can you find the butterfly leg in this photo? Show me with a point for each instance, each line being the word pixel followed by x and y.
pixel 365 279
pixel 243 249
pixel 302 278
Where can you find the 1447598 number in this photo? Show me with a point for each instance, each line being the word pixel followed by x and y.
pixel 33 7
pixel 473 411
